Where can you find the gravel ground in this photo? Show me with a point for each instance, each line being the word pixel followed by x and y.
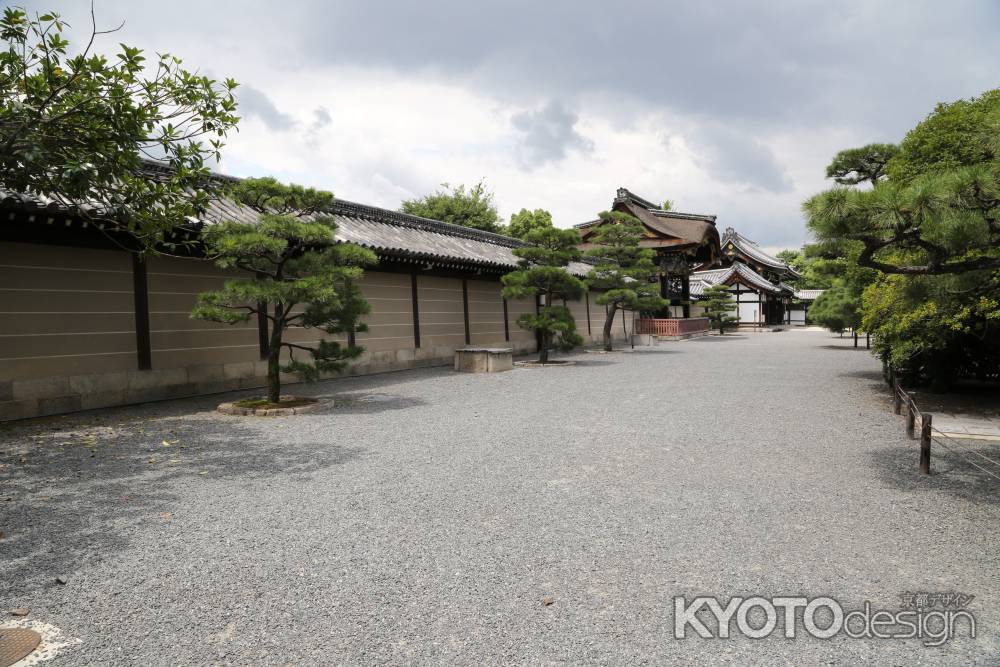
pixel 427 515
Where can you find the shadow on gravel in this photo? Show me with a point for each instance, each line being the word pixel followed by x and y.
pixel 361 403
pixel 897 467
pixel 845 348
pixel 717 339
pixel 79 494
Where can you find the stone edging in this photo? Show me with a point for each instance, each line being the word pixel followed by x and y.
pixel 551 364
pixel 236 410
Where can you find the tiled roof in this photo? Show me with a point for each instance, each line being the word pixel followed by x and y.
pixel 683 230
pixel 808 294
pixel 388 233
pixel 753 251
pixel 701 280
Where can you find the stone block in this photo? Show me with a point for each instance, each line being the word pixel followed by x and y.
pixel 22 409
pixel 102 399
pixel 59 404
pixel 484 359
pixel 138 380
pixel 98 383
pixel 206 373
pixel 46 387
pixel 239 370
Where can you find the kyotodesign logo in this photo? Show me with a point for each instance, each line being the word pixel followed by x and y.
pixel 932 618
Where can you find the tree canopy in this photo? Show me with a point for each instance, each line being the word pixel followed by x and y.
pixel 297 276
pixel 76 126
pixel 915 259
pixel 859 165
pixel 938 211
pixel 542 275
pixel 623 269
pixel 524 221
pixel 718 305
pixel 457 206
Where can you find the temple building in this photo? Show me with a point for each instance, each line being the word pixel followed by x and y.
pixel 759 282
pixel 681 241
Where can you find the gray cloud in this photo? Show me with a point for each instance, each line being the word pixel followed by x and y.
pixel 256 104
pixel 321 118
pixel 772 63
pixel 547 135
pixel 865 70
pixel 736 157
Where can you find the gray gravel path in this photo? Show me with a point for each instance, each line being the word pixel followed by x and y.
pixel 426 516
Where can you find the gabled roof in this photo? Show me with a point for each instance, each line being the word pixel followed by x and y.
pixel 389 233
pixel 808 294
pixel 673 229
pixel 736 272
pixel 749 249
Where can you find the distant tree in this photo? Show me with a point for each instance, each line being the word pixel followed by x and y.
pixel 300 277
pixel 837 309
pixel 524 221
pixel 76 127
pixel 457 206
pixel 667 205
pixel 864 164
pixel 717 302
pixel 542 274
pixel 623 269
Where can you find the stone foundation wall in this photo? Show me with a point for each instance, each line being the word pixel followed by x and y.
pixel 37 397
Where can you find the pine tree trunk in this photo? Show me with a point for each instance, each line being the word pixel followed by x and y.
pixel 609 322
pixel 274 357
pixel 543 350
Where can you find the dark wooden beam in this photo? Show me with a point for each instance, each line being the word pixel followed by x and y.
pixel 416 309
pixel 140 290
pixel 586 296
pixel 506 322
pixel 465 309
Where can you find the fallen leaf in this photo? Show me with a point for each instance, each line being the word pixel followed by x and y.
pixel 20 611
pixel 61 580
pixel 203 472
pixel 167 516
pixel 3 534
pixel 548 601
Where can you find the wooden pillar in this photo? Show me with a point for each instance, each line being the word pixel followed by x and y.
pixel 686 295
pixel 925 444
pixel 586 298
pixel 416 309
pixel 140 290
pixel 506 322
pixel 465 309
pixel 911 417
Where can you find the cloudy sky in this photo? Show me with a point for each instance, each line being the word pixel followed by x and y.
pixel 730 107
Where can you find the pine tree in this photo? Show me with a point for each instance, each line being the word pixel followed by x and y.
pixel 624 269
pixel 718 303
pixel 300 277
pixel 543 275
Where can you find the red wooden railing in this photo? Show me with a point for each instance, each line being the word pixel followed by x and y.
pixel 672 326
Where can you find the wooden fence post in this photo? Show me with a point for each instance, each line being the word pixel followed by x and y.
pixel 911 417
pixel 897 400
pixel 925 444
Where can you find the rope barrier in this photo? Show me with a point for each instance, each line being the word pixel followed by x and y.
pixel 903 399
pixel 970 462
pixel 970 450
